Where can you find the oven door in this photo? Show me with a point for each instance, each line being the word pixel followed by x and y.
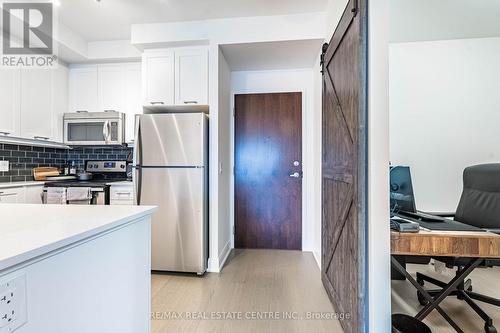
pixel 93 131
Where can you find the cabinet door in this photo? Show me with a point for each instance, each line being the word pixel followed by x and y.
pixel 133 98
pixel 158 79
pixel 12 195
pixel 36 104
pixel 83 89
pixel 111 87
pixel 191 77
pixel 33 194
pixel 59 100
pixel 9 101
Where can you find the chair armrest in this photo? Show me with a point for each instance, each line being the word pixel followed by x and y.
pixel 441 214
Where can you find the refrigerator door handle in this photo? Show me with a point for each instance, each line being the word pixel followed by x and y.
pixel 138 186
pixel 137 159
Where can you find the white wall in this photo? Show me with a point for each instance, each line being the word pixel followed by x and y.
pixel 231 30
pixel 444 113
pixel 379 282
pixel 299 80
pixel 224 168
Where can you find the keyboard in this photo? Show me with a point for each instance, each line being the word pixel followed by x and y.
pixel 402 225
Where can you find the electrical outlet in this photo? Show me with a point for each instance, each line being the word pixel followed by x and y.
pixel 13 313
pixel 4 166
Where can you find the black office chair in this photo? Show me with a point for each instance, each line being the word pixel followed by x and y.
pixel 479 206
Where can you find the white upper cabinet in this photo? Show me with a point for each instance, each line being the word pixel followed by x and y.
pixel 158 78
pixel 59 100
pixel 111 87
pixel 36 104
pixel 9 102
pixel 83 89
pixel 114 87
pixel 133 103
pixel 191 77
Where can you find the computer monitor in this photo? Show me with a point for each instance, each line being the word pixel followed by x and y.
pixel 402 198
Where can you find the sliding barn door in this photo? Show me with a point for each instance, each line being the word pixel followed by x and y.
pixel 344 149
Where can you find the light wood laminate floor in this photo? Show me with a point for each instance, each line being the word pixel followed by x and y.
pixel 253 283
pixel 484 280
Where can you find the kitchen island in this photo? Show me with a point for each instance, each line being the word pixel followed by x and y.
pixel 71 268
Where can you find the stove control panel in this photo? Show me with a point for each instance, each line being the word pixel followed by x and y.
pixel 106 166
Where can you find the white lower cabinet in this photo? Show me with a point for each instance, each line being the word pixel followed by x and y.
pixel 12 195
pixel 121 194
pixel 33 194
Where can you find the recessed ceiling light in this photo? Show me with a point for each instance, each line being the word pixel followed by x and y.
pixel 56 3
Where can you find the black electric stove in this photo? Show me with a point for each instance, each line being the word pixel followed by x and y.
pixel 103 173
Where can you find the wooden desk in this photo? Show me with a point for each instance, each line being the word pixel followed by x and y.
pixel 465 244
pixel 446 243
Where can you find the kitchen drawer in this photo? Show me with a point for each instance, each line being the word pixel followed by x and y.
pixel 121 202
pixel 121 193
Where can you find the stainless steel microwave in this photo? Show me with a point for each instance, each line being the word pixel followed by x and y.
pixel 94 128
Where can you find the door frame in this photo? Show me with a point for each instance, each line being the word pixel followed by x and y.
pixel 307 230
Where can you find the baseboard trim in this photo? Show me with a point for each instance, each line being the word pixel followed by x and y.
pixel 215 264
pixel 318 260
pixel 224 255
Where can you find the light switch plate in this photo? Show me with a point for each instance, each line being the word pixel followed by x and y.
pixel 4 166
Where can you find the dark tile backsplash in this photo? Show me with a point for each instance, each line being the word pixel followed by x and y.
pixel 81 154
pixel 24 158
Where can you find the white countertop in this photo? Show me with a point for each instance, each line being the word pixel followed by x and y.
pixel 122 183
pixel 28 230
pixel 19 184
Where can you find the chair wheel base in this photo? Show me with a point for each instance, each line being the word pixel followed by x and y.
pixel 490 328
pixel 421 299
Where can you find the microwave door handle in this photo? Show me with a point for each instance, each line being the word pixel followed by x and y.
pixel 108 139
pixel 105 131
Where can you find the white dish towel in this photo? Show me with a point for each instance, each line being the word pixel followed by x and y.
pixel 78 195
pixel 56 196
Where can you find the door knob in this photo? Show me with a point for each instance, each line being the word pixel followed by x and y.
pixel 295 175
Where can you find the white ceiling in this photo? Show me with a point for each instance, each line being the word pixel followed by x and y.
pixel 111 19
pixel 424 20
pixel 272 55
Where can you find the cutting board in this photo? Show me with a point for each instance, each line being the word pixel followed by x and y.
pixel 42 173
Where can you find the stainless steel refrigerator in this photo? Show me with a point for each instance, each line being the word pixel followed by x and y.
pixel 171 172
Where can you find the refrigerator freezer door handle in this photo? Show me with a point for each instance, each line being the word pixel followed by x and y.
pixel 138 186
pixel 137 141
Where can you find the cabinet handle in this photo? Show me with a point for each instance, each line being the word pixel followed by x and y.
pixel 190 102
pixel 109 110
pixel 82 111
pixel 154 103
pixel 37 137
pixel 5 133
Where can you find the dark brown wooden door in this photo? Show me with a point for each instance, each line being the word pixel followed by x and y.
pixel 268 142
pixel 344 149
